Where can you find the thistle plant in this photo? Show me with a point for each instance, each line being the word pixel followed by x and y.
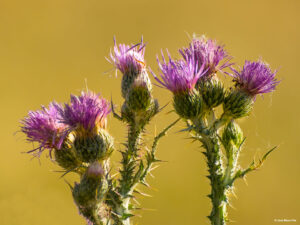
pixel 197 93
pixel 77 139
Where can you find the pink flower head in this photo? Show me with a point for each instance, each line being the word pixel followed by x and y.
pixel 208 53
pixel 128 59
pixel 45 127
pixel 255 78
pixel 87 111
pixel 179 75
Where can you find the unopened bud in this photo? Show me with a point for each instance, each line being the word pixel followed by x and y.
pixel 129 80
pixel 232 135
pixel 66 157
pixel 92 187
pixel 237 104
pixel 139 96
pixel 95 170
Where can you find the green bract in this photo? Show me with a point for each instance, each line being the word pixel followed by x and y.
pixel 188 105
pixel 92 148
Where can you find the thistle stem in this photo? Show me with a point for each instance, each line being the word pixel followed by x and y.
pixel 220 122
pixel 129 160
pixel 215 169
pixel 127 180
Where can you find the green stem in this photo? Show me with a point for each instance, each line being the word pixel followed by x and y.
pixel 220 122
pixel 232 160
pixel 127 180
pixel 229 170
pixel 129 161
pixel 151 155
pixel 215 168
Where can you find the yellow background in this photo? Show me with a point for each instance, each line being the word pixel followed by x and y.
pixel 48 49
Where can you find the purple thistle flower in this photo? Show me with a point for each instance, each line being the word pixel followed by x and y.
pixel 179 75
pixel 44 126
pixel 255 78
pixel 87 111
pixel 128 59
pixel 208 53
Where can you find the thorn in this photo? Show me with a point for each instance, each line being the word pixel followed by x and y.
pixel 231 206
pixel 153 168
pixel 209 196
pixel 244 178
pixel 204 153
pixel 185 129
pixel 136 201
pixel 233 193
pixel 147 209
pixel 151 175
pixel 71 187
pixel 141 193
pixel 161 108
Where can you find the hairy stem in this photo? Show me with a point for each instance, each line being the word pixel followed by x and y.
pixel 129 160
pixel 215 169
pixel 127 180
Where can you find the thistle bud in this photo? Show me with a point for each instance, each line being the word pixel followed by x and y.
pixel 180 77
pixel 237 104
pixel 232 140
pixel 188 105
pixel 212 91
pixel 146 116
pixel 66 157
pixel 232 135
pixel 95 170
pixel 129 60
pixel 126 83
pixel 92 148
pixel 86 117
pixel 129 81
pixel 139 96
pixel 91 188
pixel 141 117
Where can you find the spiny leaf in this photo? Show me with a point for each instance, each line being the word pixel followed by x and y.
pixel 252 166
pixel 161 134
pixel 268 153
pixel 185 129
